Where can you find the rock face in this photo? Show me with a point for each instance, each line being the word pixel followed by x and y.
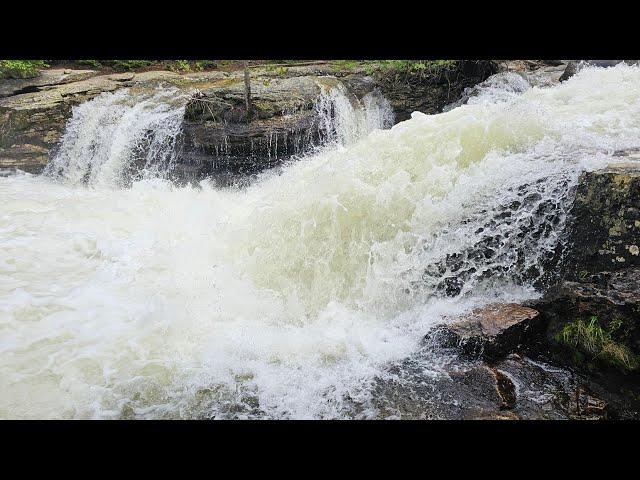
pixel 592 315
pixel 489 332
pixel 217 136
pixel 408 93
pixel 513 388
pixel 604 234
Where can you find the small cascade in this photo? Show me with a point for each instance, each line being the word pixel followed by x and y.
pixel 119 137
pixel 344 119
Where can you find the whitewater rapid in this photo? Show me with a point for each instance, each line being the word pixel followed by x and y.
pixel 287 298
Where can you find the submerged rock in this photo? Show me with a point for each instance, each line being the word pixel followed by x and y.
pixel 489 332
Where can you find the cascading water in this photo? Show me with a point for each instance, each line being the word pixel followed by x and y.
pixel 344 119
pixel 120 135
pixel 286 298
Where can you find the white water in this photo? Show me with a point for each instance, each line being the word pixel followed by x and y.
pixel 108 135
pixel 344 119
pixel 290 296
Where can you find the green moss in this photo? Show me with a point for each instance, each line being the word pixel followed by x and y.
pixel 21 68
pixel 591 339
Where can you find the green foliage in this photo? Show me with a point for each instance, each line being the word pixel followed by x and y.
pixel 590 338
pixel 180 66
pixel 280 71
pixel 128 65
pixel 290 62
pixel 21 68
pixel 345 65
pixel 385 67
pixel 201 65
pixel 414 66
pixel 94 64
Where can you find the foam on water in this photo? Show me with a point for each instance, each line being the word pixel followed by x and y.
pixel 285 299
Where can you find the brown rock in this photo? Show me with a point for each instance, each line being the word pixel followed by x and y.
pixel 491 332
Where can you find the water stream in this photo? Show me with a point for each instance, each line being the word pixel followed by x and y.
pixel 287 298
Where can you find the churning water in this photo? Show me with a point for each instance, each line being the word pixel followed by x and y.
pixel 286 298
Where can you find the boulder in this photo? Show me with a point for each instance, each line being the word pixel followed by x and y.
pixel 604 230
pixel 490 332
pixel 572 66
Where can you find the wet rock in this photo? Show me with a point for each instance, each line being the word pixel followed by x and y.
pixel 588 407
pixel 506 389
pixel 572 66
pixel 217 134
pixel 410 92
pixel 612 297
pixel 489 332
pixel 570 70
pixel 515 387
pixel 604 232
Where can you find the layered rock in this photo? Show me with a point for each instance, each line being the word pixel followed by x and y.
pixel 218 137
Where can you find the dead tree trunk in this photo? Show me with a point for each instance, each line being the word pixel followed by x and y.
pixel 247 90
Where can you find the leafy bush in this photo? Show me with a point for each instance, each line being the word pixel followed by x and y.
pixel 180 66
pixel 21 68
pixel 94 64
pixel 200 65
pixel 127 65
pixel 590 338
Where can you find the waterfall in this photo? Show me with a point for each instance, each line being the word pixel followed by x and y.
pixel 286 298
pixel 118 136
pixel 344 119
